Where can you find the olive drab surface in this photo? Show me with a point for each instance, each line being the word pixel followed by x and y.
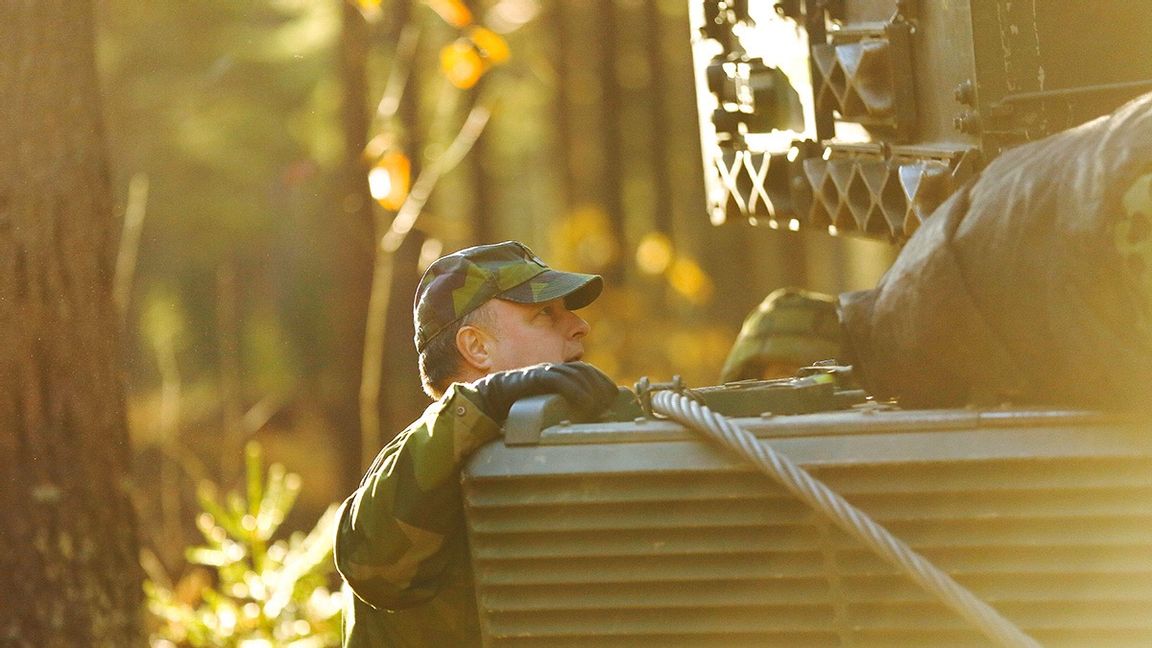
pixel 898 103
pixel 1030 285
pixel 791 328
pixel 1011 327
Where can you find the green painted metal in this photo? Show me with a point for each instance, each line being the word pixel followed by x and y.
pixel 636 533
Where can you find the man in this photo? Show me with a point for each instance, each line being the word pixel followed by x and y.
pixel 790 329
pixel 493 324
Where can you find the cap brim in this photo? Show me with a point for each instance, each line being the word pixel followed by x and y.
pixel 578 290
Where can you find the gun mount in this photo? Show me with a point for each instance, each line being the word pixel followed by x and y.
pixel 862 116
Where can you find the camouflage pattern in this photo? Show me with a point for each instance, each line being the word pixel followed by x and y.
pixel 791 328
pixel 401 544
pixel 459 283
pixel 1133 237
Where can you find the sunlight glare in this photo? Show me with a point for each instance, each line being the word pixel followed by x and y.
pixel 379 182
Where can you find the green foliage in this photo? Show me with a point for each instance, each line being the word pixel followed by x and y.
pixel 264 592
pixel 232 111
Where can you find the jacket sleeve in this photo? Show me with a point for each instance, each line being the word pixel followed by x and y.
pixel 395 530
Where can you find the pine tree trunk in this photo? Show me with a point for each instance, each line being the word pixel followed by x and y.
pixel 401 400
pixel 69 574
pixel 353 245
pixel 611 137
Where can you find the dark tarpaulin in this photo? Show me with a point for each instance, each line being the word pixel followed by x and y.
pixel 1016 289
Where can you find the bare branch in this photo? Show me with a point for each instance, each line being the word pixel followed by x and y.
pixel 382 273
pixel 398 74
pixel 130 241
pixel 422 189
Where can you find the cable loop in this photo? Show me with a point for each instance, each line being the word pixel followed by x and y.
pixel 846 516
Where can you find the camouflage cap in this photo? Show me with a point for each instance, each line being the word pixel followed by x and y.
pixel 459 283
pixel 791 326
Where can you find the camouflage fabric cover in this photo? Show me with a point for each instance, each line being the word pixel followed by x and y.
pixel 1133 235
pixel 401 543
pixel 1031 284
pixel 790 327
pixel 459 283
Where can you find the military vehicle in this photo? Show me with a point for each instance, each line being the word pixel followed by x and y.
pixel 847 520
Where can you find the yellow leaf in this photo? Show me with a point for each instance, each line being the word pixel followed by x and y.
pixel 689 279
pixel 654 254
pixel 388 180
pixel 583 239
pixel 370 9
pixel 492 46
pixel 461 63
pixel 454 12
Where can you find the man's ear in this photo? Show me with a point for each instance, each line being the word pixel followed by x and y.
pixel 474 346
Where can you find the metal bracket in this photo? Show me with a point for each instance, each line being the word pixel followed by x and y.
pixel 645 389
pixel 529 416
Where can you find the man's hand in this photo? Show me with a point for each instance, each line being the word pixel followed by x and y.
pixel 586 387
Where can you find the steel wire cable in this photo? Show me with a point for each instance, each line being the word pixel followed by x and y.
pixel 846 516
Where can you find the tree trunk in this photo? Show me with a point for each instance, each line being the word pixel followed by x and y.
pixel 658 148
pixel 401 399
pixel 352 245
pixel 69 571
pixel 612 103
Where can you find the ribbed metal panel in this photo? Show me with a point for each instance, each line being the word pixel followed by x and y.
pixel 668 543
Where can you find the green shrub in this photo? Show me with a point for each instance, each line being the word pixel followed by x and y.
pixel 263 592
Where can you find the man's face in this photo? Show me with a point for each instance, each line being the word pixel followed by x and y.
pixel 528 334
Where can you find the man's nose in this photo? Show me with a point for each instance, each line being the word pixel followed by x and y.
pixel 580 328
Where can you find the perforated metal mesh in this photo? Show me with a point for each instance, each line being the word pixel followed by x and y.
pixel 878 195
pixel 865 189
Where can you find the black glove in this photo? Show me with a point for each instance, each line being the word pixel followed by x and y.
pixel 585 387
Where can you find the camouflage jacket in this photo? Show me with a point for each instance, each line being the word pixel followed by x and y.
pixel 401 544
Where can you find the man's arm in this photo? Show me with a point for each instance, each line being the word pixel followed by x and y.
pixel 392 539
pixel 396 530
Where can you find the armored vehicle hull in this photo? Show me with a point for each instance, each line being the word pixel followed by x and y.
pixel 641 533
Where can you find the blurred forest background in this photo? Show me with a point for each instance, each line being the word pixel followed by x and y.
pixel 285 169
